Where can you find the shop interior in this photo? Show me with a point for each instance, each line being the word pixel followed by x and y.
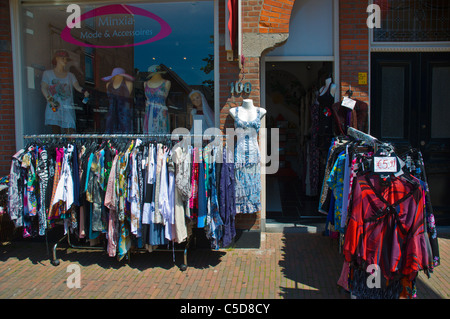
pixel 290 91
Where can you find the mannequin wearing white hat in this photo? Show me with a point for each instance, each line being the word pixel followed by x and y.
pixel 157 89
pixel 118 89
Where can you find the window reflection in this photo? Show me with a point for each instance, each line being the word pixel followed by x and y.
pixel 117 74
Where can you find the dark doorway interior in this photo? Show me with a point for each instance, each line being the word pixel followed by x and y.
pixel 290 89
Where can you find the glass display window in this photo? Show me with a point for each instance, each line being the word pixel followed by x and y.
pixel 114 67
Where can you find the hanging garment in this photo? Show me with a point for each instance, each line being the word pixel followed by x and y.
pixel 135 191
pixel 386 227
pixel 336 147
pixel 64 189
pixel 336 184
pixel 15 193
pixel 102 191
pixel 247 165
pixel 193 201
pixel 55 208
pixel 157 218
pixel 42 172
pixel 227 202
pixel 216 226
pixel 110 203
pixel 182 160
pixel 156 112
pixel 345 117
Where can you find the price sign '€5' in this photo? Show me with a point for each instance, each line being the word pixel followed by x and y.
pixel 385 164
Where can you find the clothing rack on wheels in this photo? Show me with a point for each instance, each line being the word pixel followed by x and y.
pixel 39 138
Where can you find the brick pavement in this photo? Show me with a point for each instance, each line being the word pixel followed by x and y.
pixel 294 265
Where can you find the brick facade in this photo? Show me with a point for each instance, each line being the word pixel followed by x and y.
pixel 7 126
pixel 353 47
pixel 259 17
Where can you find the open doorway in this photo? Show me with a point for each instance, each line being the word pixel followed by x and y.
pixel 291 87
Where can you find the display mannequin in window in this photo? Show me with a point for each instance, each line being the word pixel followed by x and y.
pixel 156 89
pixel 118 88
pixel 57 87
pixel 247 157
pixel 201 113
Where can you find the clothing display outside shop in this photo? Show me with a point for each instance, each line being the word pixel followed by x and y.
pixel 247 159
pixel 132 193
pixel 385 219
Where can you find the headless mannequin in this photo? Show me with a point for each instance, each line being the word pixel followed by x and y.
pixel 156 80
pixel 248 111
pixel 324 88
pixel 117 82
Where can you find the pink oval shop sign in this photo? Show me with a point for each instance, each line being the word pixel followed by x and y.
pixel 116 9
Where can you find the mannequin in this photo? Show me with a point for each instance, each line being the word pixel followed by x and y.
pixel 117 81
pixel 328 85
pixel 201 112
pixel 325 100
pixel 119 87
pixel 247 158
pixel 156 91
pixel 248 111
pixel 56 86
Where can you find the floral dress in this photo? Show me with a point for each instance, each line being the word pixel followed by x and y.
pixel 156 118
pixel 247 165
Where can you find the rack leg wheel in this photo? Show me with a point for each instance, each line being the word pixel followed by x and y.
pixel 183 267
pixel 55 262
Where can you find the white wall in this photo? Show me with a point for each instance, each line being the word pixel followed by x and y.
pixel 310 30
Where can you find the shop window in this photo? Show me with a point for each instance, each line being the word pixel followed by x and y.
pixel 138 62
pixel 413 21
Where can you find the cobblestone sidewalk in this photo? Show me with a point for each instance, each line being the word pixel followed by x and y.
pixel 294 265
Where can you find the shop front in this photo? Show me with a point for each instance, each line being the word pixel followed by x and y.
pixel 111 67
pixel 83 62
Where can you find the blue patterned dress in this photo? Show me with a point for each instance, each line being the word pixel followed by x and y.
pixel 247 165
pixel 156 118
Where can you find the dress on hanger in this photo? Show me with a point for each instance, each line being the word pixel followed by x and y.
pixel 156 113
pixel 247 165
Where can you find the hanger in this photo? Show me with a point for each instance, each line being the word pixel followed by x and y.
pixel 349 92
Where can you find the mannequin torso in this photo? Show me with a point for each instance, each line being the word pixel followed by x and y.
pixel 117 82
pixel 328 85
pixel 156 81
pixel 248 111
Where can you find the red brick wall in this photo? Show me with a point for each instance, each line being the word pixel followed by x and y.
pixel 275 15
pixel 7 127
pixel 354 46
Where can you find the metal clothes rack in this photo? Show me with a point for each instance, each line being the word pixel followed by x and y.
pixel 55 261
pixel 174 136
pixel 373 141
